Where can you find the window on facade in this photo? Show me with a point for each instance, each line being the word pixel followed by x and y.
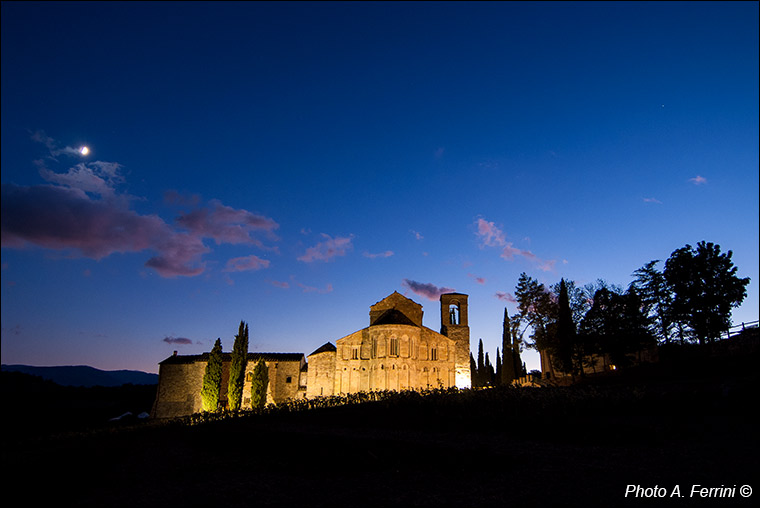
pixel 249 376
pixel 374 348
pixel 288 379
pixel 355 354
pixel 394 347
pixel 454 314
pixel 433 354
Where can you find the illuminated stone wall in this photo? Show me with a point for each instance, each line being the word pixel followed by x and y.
pixel 321 374
pixel 394 353
pixel 180 379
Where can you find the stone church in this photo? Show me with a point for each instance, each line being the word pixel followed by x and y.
pixel 395 352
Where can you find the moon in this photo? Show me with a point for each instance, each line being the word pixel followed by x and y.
pixel 84 150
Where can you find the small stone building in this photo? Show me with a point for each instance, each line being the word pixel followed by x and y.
pixel 180 379
pixel 395 352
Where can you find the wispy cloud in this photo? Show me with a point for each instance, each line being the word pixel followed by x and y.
pixel 311 289
pixel 385 254
pixel 225 224
pixel 327 250
pixel 328 288
pixel 54 147
pixel 416 234
pixel 245 264
pixel 479 280
pixel 427 290
pixel 652 200
pixel 177 340
pixel 490 235
pixel 506 297
pixel 698 180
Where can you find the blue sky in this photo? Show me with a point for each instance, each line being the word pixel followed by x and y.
pixel 291 164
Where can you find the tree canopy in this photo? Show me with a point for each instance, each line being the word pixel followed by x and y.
pixel 705 289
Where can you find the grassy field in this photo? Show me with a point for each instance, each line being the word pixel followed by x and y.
pixel 576 446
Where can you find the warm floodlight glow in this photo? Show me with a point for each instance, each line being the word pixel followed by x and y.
pixel 84 150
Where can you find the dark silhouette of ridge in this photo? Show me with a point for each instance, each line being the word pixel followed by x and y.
pixel 82 375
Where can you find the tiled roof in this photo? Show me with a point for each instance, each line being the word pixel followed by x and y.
pixel 226 357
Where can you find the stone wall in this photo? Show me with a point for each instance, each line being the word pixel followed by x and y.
pixel 321 375
pixel 179 389
pixel 180 380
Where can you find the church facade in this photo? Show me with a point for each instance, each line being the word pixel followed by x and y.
pixel 395 352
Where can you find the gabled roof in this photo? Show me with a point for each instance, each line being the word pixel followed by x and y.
pixel 325 348
pixel 406 311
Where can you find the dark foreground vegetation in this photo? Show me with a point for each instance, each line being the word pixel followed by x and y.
pixel 558 446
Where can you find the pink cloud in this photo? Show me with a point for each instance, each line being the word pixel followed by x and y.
pixel 311 289
pixel 479 280
pixel 507 297
pixel 490 235
pixel 385 254
pixel 698 180
pixel 427 290
pixel 224 224
pixel 278 284
pixel 547 266
pixel 327 250
pixel 509 252
pixel 65 217
pixel 247 263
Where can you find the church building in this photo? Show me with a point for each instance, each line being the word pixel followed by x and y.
pixel 395 352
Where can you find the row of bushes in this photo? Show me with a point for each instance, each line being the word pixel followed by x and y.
pixel 499 404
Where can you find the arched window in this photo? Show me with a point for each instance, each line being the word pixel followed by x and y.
pixel 393 347
pixel 454 314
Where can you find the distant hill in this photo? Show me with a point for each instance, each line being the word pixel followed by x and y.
pixel 82 375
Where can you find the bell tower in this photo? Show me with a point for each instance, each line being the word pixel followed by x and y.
pixel 454 325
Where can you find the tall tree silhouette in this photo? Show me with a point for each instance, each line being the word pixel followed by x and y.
pixel 473 372
pixel 564 347
pixel 237 367
pixel 481 365
pixel 537 310
pixel 508 372
pixel 656 298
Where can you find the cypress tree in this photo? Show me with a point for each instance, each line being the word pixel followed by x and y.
pixel 497 379
pixel 212 379
pixel 566 333
pixel 237 368
pixel 481 365
pixel 508 371
pixel 259 383
pixel 473 372
pixel 489 374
